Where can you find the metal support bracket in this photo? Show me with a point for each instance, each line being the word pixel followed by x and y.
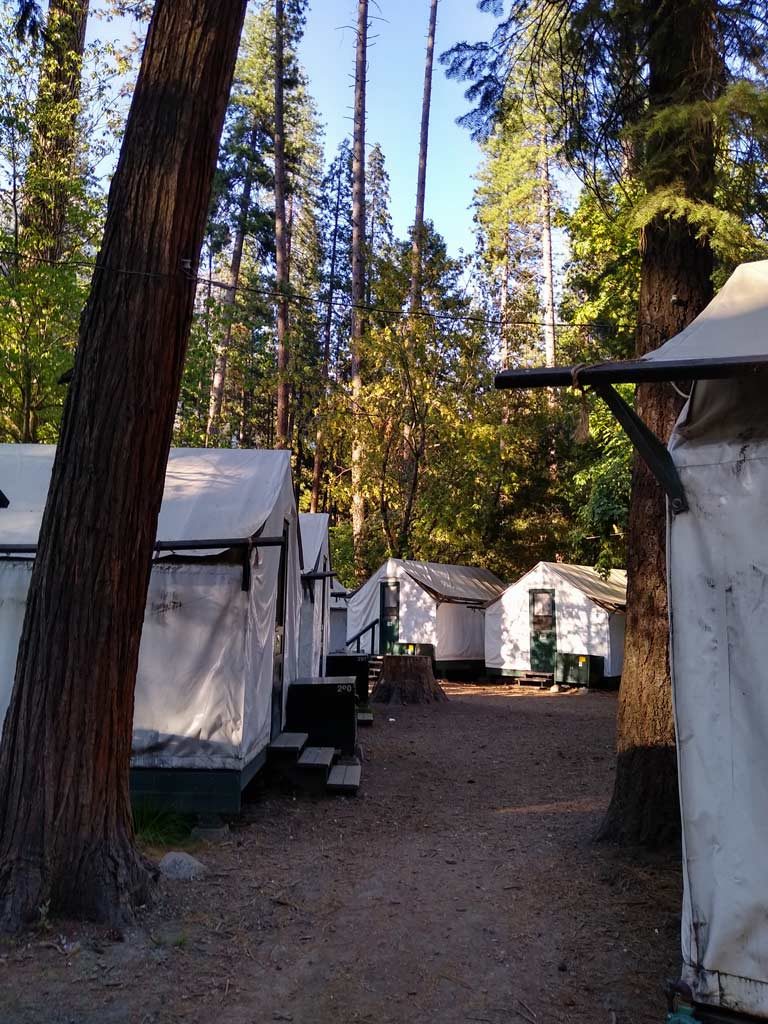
pixel 650 448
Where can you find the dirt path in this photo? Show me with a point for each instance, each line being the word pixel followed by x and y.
pixel 459 886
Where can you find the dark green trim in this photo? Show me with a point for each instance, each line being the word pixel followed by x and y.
pixel 195 790
pixel 460 670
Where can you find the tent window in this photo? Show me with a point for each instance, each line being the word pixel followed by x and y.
pixel 543 610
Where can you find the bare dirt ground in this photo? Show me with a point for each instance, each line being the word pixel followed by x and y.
pixel 460 885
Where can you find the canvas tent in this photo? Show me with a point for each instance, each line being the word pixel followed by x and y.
pixel 314 630
pixel 717 480
pixel 432 608
pixel 561 619
pixel 220 637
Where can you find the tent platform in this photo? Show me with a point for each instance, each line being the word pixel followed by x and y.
pixel 193 790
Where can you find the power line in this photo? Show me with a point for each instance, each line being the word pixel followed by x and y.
pixel 303 299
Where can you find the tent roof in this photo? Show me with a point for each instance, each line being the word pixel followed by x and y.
pixel 314 538
pixel 210 494
pixel 610 593
pixel 464 584
pixel 728 338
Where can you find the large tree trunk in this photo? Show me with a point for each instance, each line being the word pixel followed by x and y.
pixel 417 243
pixel 66 837
pixel 358 284
pixel 54 138
pixel 407 679
pixel 218 384
pixel 281 234
pixel 675 286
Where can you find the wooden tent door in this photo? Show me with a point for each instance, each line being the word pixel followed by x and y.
pixel 278 664
pixel 389 617
pixel 543 631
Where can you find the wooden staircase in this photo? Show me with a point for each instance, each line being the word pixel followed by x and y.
pixel 375 663
pixel 364 712
pixel 541 679
pixel 314 769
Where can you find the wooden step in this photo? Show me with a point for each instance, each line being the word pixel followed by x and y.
pixel 289 743
pixel 365 718
pixel 317 758
pixel 344 778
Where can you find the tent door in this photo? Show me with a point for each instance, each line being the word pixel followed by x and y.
pixel 389 617
pixel 278 666
pixel 543 635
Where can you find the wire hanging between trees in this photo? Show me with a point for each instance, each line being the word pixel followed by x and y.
pixel 301 299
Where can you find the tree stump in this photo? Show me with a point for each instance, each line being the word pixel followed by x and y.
pixel 407 679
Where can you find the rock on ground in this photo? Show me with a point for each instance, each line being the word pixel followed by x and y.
pixel 182 867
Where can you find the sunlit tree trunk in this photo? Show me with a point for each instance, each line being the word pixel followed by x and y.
pixel 66 835
pixel 548 274
pixel 218 384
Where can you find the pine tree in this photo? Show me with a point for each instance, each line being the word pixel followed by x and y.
pixel 358 281
pixel 638 88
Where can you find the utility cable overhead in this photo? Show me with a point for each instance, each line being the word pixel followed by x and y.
pixel 302 299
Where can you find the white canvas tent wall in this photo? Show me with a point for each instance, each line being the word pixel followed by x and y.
pixel 718 598
pixel 589 617
pixel 315 627
pixel 440 605
pixel 204 685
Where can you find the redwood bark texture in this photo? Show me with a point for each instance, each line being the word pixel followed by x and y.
pixel 407 679
pixel 66 838
pixel 685 65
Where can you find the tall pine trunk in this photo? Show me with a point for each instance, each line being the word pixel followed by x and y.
pixel 317 465
pixel 685 66
pixel 218 384
pixel 548 273
pixel 358 284
pixel 54 137
pixel 51 167
pixel 417 243
pixel 66 836
pixel 281 233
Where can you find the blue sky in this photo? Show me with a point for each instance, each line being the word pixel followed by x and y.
pixel 395 82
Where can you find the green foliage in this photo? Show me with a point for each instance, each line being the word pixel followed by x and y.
pixel 51 205
pixel 155 825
